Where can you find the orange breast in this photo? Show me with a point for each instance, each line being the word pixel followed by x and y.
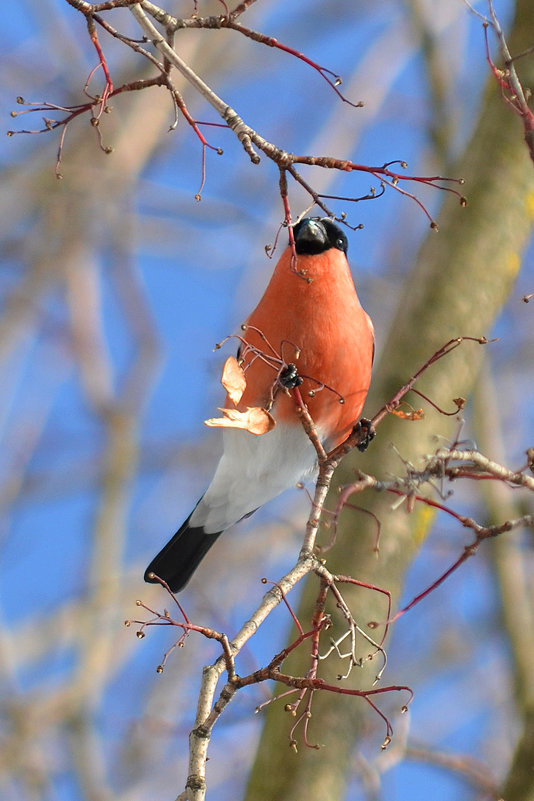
pixel 321 327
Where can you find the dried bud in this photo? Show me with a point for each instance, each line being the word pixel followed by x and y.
pixel 256 420
pixel 233 379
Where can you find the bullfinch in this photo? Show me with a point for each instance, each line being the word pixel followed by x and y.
pixel 308 330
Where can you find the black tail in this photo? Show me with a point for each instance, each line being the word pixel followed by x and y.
pixel 179 559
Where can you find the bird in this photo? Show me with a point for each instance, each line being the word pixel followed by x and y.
pixel 309 331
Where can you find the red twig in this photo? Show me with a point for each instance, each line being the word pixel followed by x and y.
pixel 512 90
pixel 241 8
pixel 356 437
pixel 288 222
pixel 481 533
pixel 385 175
pixel 333 80
pixel 316 684
pixel 108 88
pixel 459 402
pixel 296 621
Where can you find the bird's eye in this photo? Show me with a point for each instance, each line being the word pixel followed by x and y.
pixel 341 243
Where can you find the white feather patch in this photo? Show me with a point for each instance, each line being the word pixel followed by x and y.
pixel 251 472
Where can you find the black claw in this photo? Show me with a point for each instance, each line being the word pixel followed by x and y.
pixel 367 431
pixel 289 377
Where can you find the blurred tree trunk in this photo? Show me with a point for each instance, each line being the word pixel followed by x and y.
pixel 462 277
pixel 513 575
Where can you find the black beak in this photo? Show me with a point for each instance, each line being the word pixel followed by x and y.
pixel 310 236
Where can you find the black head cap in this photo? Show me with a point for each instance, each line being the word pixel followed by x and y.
pixel 315 235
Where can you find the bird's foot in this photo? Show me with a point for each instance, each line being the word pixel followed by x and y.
pixel 367 432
